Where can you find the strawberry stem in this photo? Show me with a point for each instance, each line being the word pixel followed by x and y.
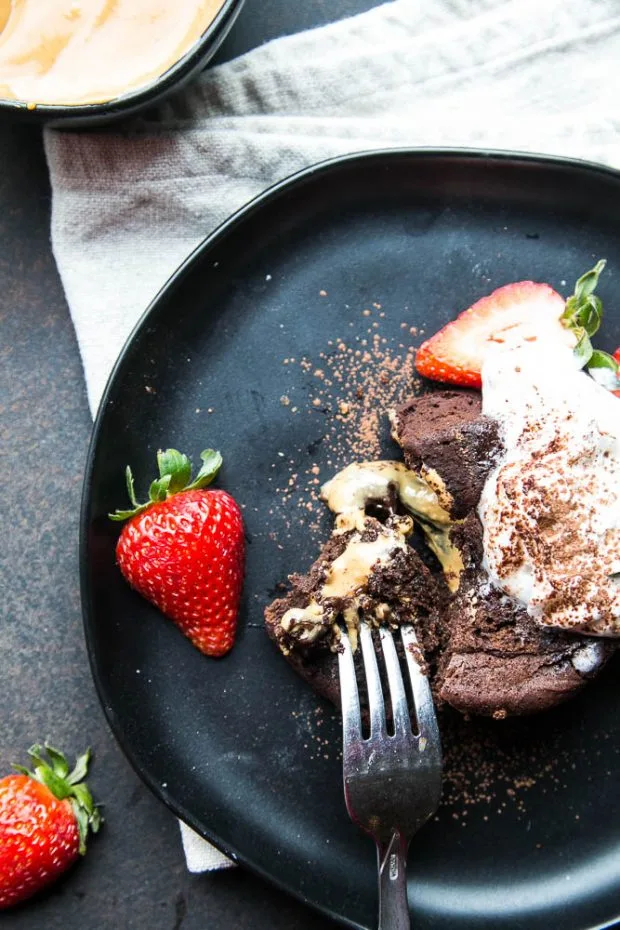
pixel 175 475
pixel 583 315
pixel 53 772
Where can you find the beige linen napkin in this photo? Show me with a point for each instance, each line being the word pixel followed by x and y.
pixel 129 206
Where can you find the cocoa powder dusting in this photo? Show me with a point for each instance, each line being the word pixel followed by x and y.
pixel 543 517
pixel 349 386
pixel 492 766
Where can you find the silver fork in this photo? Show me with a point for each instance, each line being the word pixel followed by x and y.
pixel 392 783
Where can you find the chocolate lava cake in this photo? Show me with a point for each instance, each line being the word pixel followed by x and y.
pixel 407 548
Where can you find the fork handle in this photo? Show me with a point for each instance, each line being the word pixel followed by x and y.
pixel 393 905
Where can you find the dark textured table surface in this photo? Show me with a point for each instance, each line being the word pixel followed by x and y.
pixel 134 875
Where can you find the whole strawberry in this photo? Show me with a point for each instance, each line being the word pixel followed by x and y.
pixel 184 550
pixel 45 815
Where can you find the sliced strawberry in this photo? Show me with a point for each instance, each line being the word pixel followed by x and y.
pixel 616 357
pixel 523 311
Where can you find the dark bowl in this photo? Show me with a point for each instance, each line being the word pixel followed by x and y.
pixel 90 114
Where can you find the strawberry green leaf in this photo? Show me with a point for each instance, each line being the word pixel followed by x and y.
pixel 59 763
pixel 600 359
pixel 80 769
pixel 53 772
pixel 158 490
pixel 604 369
pixel 51 775
pixel 48 777
pixel 177 466
pixel 120 515
pixel 83 820
pixel 587 314
pixel 96 820
pixel 587 283
pixel 136 507
pixel 583 349
pixel 130 487
pixel 211 464
pixel 175 475
pixel 83 796
pixel 36 753
pixel 21 769
pixel 583 312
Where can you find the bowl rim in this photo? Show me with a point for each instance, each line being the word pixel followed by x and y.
pixel 145 95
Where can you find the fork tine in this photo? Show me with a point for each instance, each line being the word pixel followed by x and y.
pixel 376 706
pixel 420 687
pixel 392 783
pixel 351 714
pixel 400 711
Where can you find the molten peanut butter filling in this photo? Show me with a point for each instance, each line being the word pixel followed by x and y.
pixel 363 483
pixel 347 495
pixel 70 52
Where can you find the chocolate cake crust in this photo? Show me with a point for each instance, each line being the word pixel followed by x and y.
pixel 494 659
pixel 446 432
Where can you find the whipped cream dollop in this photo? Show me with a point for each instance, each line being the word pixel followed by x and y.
pixel 550 509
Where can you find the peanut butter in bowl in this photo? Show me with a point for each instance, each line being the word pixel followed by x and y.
pixel 77 52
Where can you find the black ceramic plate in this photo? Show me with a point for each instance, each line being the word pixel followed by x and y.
pixel 529 836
